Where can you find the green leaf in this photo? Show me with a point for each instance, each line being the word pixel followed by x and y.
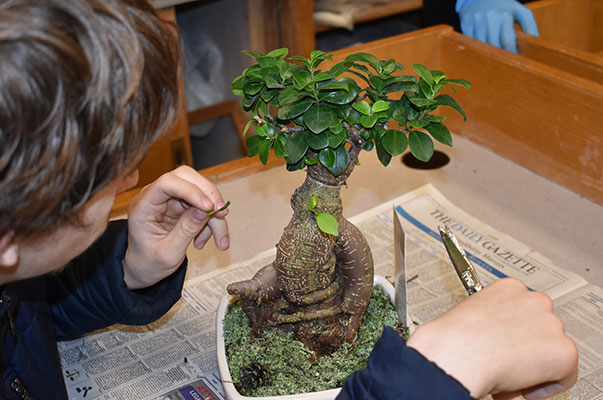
pixel 273 83
pixel 292 110
pixel 368 121
pixel 253 143
pixel 353 117
pixel 333 85
pixel 434 118
pixel 327 157
pixel 426 90
pixel 279 147
pixel 421 145
pixel 303 60
pixel 290 94
pixel 379 81
pixel 339 69
pixel 421 102
pixel 418 123
pixel 247 125
pixel 379 106
pixel 363 107
pixel 318 118
pixel 388 66
pixel 338 97
pixel 302 77
pixel 440 133
pixel 262 130
pixel 337 138
pixel 267 94
pixel 278 53
pixel 318 142
pixel 399 114
pixel 252 88
pixel 312 202
pixel 460 82
pixel 368 145
pixel 322 76
pixel 342 160
pixel 253 53
pixel 248 102
pixel 445 100
pixel 310 161
pixel 258 145
pixel 266 62
pixel 296 147
pixel 394 142
pixel 437 75
pixel 383 155
pixel 366 58
pixel 327 224
pixel 264 151
pixel 296 166
pixel 316 53
pixel 377 132
pixel 424 73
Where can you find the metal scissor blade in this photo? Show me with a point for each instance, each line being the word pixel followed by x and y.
pixel 461 263
pixel 400 269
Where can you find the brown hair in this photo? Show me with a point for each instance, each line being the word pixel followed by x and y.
pixel 86 86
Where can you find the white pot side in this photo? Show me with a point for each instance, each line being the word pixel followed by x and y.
pixel 231 392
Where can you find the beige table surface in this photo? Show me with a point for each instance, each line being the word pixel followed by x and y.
pixel 559 224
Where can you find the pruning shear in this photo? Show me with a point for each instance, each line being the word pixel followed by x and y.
pixel 461 263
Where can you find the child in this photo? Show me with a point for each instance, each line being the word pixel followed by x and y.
pixel 85 89
pixel 86 86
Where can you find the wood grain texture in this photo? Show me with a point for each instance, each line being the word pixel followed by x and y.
pixel 545 119
pixel 570 22
pixel 578 62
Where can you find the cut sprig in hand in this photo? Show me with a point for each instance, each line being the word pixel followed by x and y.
pixel 178 208
pixel 224 207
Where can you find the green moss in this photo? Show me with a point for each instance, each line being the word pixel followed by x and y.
pixel 288 362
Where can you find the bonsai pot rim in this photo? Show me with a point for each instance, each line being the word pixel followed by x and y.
pixel 231 392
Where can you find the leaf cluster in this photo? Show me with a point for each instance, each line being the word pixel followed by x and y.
pixel 308 116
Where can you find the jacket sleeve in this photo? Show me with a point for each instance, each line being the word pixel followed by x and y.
pixel 395 371
pixel 90 293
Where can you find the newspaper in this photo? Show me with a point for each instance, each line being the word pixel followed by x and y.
pixel 175 357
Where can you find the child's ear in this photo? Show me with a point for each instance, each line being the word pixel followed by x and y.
pixel 9 250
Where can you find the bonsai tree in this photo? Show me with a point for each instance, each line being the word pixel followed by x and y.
pixel 319 285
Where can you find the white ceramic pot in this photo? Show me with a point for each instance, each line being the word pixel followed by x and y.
pixel 231 392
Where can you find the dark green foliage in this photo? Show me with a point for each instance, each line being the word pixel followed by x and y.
pixel 317 110
pixel 275 365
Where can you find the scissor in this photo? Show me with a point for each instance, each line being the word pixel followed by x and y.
pixel 461 263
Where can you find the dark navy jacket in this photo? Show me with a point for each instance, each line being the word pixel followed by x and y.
pixel 88 294
pixel 397 372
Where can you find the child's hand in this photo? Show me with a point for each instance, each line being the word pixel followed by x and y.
pixel 163 220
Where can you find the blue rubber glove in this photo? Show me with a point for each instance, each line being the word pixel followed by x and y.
pixel 491 21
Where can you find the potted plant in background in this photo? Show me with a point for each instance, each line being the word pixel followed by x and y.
pixel 319 285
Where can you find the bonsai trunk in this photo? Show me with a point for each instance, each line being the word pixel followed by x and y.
pixel 319 285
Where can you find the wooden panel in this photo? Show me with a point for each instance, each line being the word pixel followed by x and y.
pixel 542 118
pixel 577 62
pixel 172 149
pixel 368 11
pixel 282 23
pixel 569 22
